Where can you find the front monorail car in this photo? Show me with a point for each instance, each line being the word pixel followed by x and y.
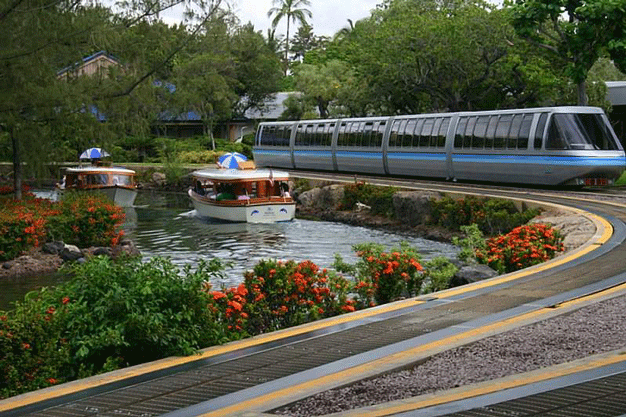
pixel 544 146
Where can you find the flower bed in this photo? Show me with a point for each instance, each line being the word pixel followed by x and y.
pixel 81 220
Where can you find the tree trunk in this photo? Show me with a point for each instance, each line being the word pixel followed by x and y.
pixel 17 166
pixel 287 49
pixel 582 93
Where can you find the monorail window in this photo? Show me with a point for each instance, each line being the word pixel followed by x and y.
pixel 367 134
pixel 502 131
pixel 379 134
pixel 443 132
pixel 491 132
pixel 435 133
pixel 516 124
pixel 394 136
pixel 469 132
pixel 344 129
pixel 579 132
pixel 356 134
pixel 328 134
pixel 418 133
pixel 541 126
pixel 275 135
pixel 425 132
pixel 524 131
pixel 478 140
pixel 407 136
pixel 460 131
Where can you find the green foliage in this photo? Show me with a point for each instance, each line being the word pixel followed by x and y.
pixel 590 30
pixel 79 219
pixel 378 198
pixel 492 216
pixel 86 220
pixel 283 294
pixel 437 274
pixel 109 314
pixel 380 276
pixel 520 248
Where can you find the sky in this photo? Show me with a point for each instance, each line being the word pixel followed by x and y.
pixel 329 16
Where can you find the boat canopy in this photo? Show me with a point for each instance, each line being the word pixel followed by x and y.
pixel 218 175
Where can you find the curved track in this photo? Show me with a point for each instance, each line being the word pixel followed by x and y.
pixel 256 375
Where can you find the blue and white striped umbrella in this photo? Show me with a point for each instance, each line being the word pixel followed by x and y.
pixel 94 153
pixel 231 160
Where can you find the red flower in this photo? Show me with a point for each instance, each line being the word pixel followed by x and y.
pixel 52 381
pixel 65 300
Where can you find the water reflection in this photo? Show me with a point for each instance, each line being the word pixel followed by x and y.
pixel 174 230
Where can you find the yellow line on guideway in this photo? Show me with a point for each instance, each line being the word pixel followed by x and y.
pixel 406 357
pixel 603 234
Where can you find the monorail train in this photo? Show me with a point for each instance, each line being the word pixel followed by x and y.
pixel 544 146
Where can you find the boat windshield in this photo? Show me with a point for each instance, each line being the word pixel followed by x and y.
pixel 580 132
pixel 96 179
pixel 121 179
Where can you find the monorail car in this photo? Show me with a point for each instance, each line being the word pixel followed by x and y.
pixel 543 146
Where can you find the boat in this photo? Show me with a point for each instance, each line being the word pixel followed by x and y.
pixel 118 184
pixel 243 194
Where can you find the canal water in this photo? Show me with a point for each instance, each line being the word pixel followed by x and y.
pixel 165 224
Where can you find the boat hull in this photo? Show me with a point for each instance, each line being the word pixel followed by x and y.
pixel 123 197
pixel 270 212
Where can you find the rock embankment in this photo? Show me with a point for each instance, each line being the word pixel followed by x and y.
pixel 412 215
pixel 52 255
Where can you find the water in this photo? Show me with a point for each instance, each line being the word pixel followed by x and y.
pixel 165 224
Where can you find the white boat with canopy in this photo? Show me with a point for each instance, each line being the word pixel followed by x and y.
pixel 244 194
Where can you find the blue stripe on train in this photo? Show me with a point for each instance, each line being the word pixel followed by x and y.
pixel 500 159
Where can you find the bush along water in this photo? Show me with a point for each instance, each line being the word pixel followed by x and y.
pixel 492 216
pixel 524 246
pixel 382 276
pixel 78 219
pixel 116 313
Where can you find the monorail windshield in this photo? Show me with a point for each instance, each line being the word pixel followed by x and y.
pixel 578 131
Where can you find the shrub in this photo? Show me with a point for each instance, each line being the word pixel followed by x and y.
pixel 492 216
pixel 110 314
pixel 381 277
pixel 283 294
pixel 380 199
pixel 23 225
pixel 522 247
pixel 86 220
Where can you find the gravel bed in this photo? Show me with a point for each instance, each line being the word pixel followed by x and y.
pixel 593 329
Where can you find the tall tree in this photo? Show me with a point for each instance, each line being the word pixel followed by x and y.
pixel 578 32
pixel 36 106
pixel 293 11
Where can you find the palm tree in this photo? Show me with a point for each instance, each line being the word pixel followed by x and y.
pixel 294 11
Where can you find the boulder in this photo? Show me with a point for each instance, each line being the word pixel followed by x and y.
pixel 472 273
pixel 159 178
pixel 413 207
pixel 53 248
pixel 71 253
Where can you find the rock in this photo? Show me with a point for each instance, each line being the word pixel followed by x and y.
pixel 413 207
pixel 325 198
pixel 472 273
pixel 159 179
pixel 98 251
pixel 71 253
pixel 126 247
pixel 309 198
pixel 53 248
